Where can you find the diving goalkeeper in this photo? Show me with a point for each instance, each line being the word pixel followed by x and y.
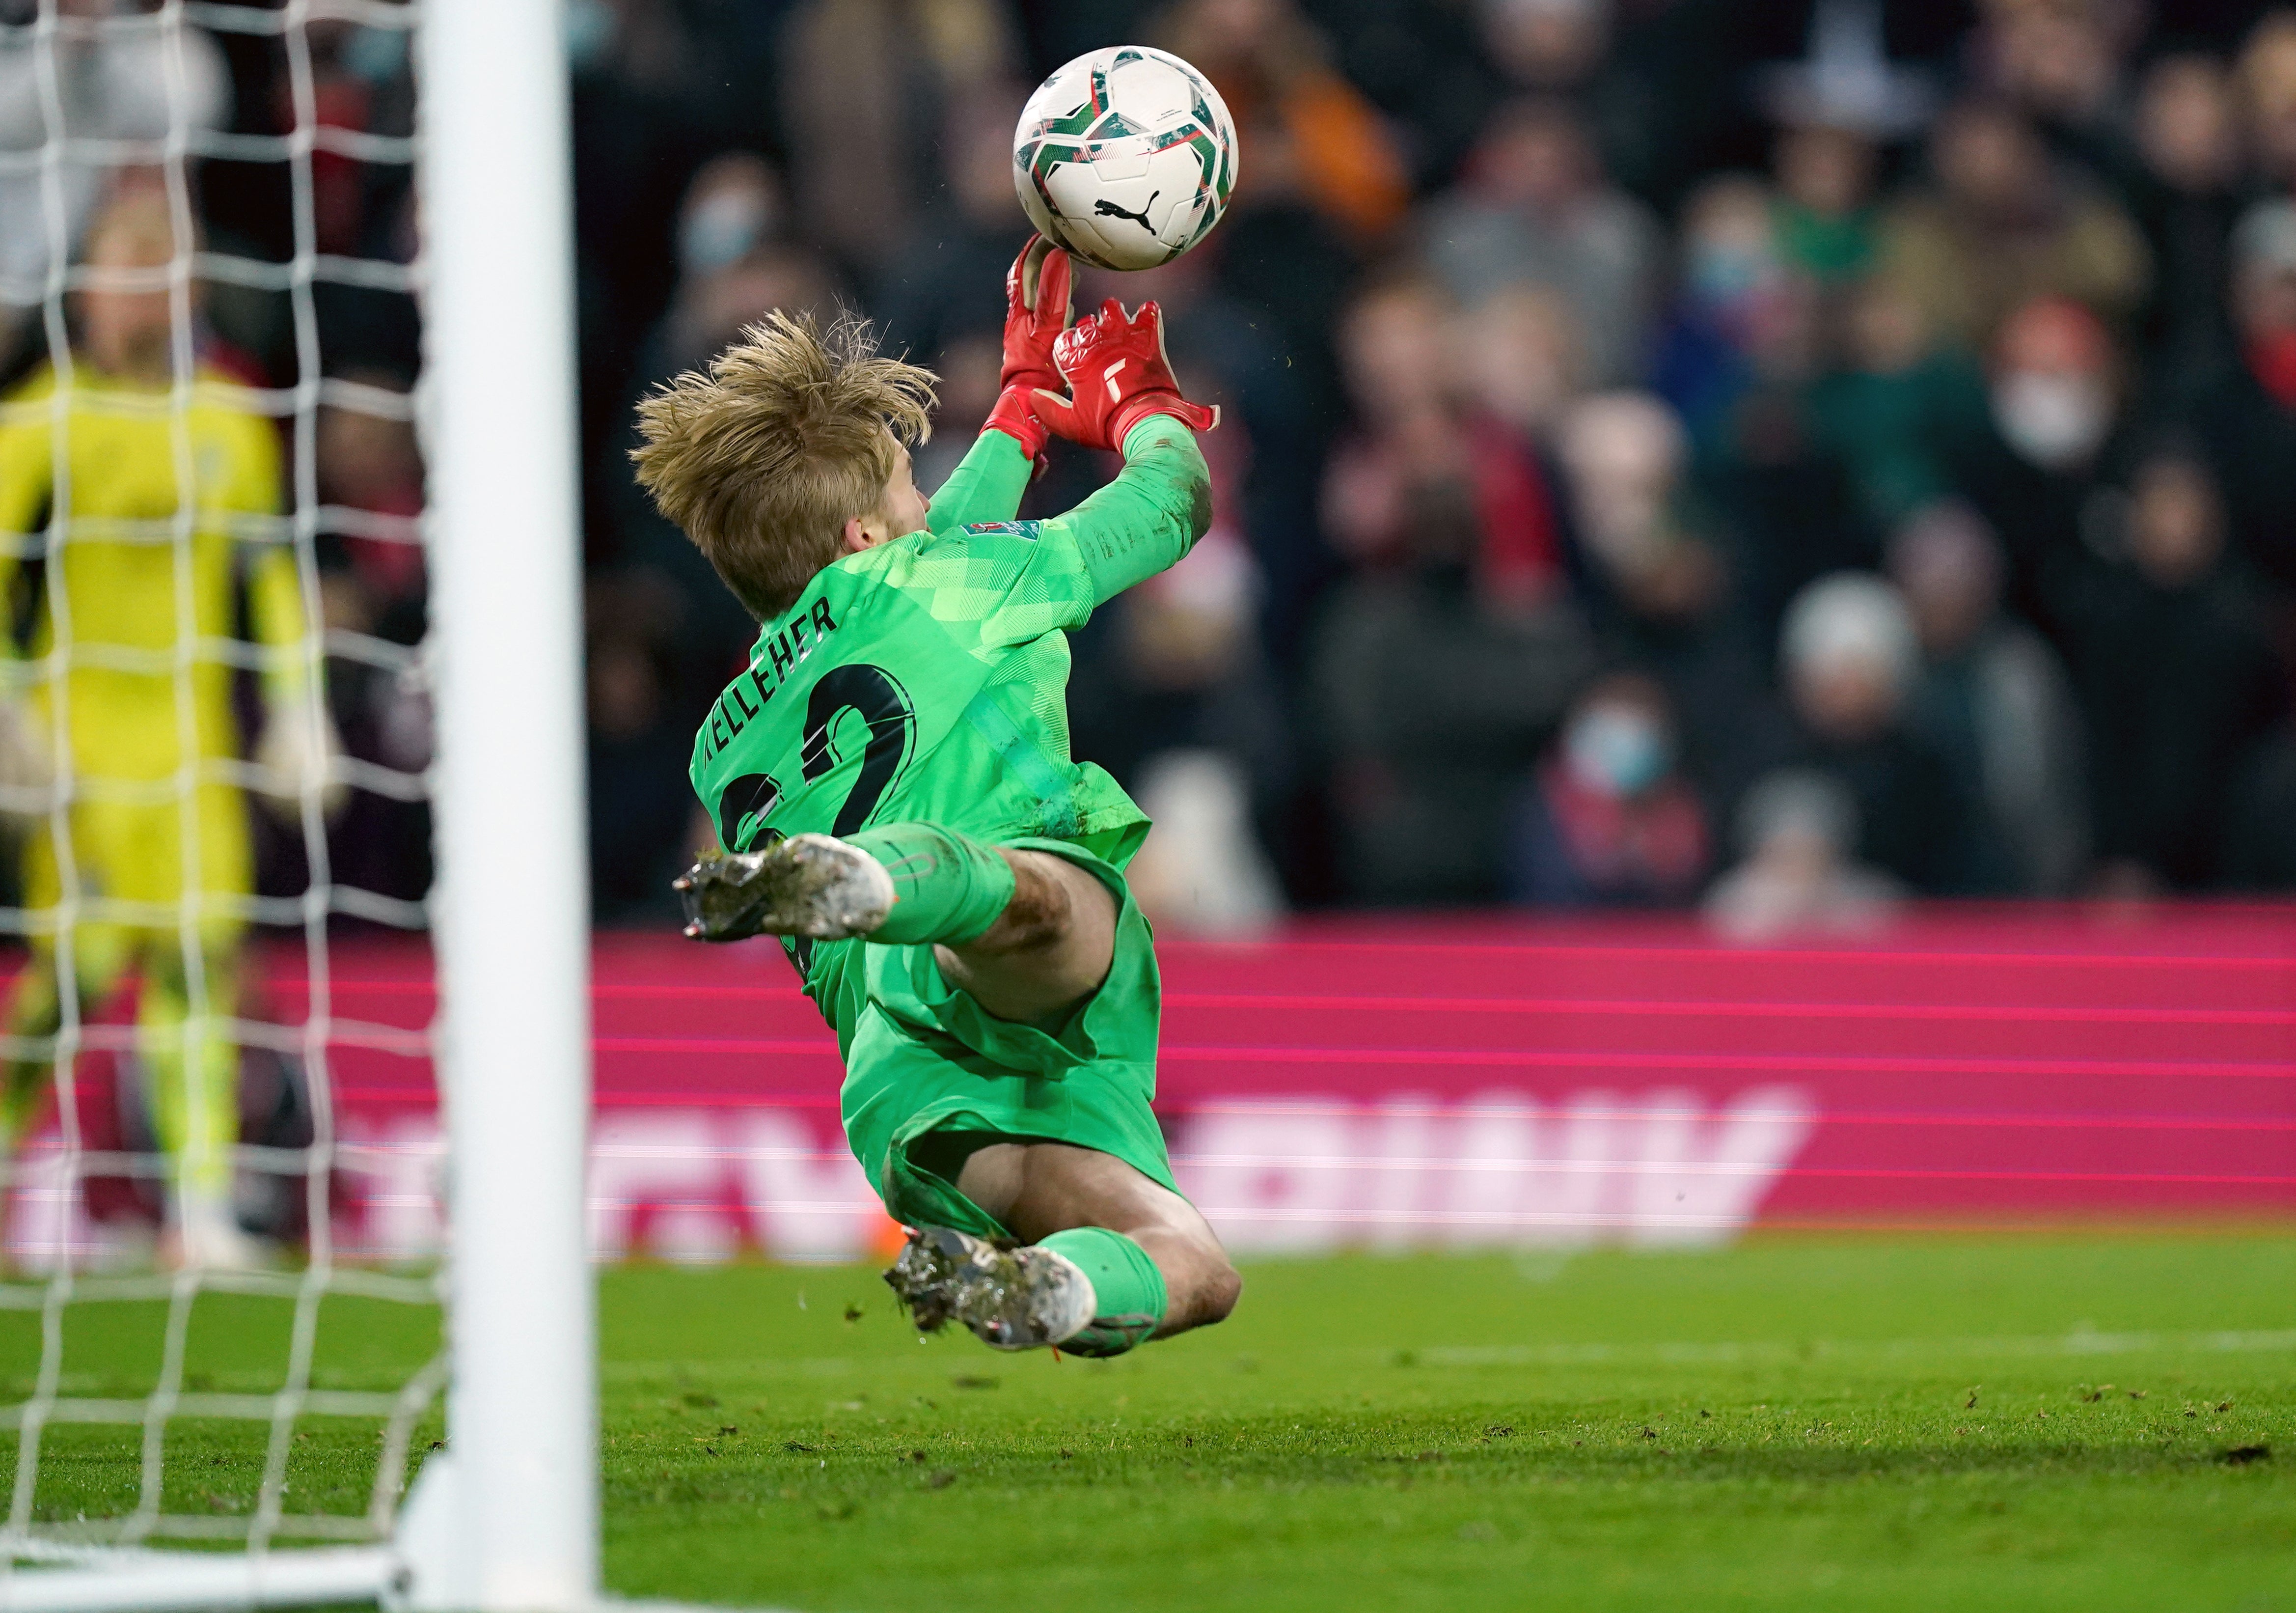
pixel 891 776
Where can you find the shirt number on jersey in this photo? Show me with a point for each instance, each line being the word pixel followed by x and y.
pixel 751 796
pixel 884 705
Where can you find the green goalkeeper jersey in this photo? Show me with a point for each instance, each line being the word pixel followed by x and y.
pixel 926 679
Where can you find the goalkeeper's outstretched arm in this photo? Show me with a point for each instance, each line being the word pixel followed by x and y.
pixel 1122 397
pixel 1124 400
pixel 1150 516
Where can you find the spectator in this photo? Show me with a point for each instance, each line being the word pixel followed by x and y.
pixel 1277 256
pixel 2186 183
pixel 1535 208
pixel 1901 413
pixel 1849 659
pixel 1659 587
pixel 359 83
pixel 1597 55
pixel 970 367
pixel 1797 831
pixel 1424 455
pixel 2178 678
pixel 734 206
pixel 1748 342
pixel 370 470
pixel 712 306
pixel 2267 82
pixel 1202 870
pixel 2054 390
pixel 713 302
pixel 642 816
pixel 371 586
pixel 1834 109
pixel 1271 66
pixel 2246 423
pixel 1436 676
pixel 1547 46
pixel 1734 292
pixel 1627 456
pixel 2055 406
pixel 2260 840
pixel 2003 223
pixel 1826 219
pixel 863 89
pixel 732 271
pixel 1994 700
pixel 1522 367
pixel 934 292
pixel 1431 707
pixel 2061 63
pixel 1608 819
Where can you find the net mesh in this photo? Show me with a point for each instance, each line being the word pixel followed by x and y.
pixel 149 1398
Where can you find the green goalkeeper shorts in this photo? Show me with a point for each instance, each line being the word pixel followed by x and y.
pixel 926 1066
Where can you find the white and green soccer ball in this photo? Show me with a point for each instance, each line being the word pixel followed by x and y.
pixel 1125 157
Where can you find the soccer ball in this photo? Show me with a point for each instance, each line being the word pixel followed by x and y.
pixel 1125 157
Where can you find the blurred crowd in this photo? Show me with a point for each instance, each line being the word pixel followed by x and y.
pixel 1785 455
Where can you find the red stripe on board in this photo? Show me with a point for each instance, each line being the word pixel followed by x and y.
pixel 1637 1007
pixel 1507 1058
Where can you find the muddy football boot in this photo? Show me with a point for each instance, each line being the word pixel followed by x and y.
pixel 1012 1299
pixel 808 885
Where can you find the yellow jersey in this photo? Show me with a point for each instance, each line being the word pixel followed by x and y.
pixel 156 521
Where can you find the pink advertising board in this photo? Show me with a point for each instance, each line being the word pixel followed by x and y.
pixel 1466 1082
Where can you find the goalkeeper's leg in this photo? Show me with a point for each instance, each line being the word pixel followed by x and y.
pixel 1110 1258
pixel 1113 1257
pixel 194 1068
pixel 36 1013
pixel 1025 932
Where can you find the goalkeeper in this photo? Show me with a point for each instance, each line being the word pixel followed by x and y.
pixel 149 854
pixel 892 775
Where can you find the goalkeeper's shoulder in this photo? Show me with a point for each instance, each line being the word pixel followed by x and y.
pixel 229 413
pixel 17 402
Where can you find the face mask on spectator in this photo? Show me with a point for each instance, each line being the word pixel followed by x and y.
pixel 590 28
pixel 376 53
pixel 1617 750
pixel 1725 272
pixel 719 230
pixel 2053 419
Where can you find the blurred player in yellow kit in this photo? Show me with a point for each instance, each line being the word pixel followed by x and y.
pixel 128 619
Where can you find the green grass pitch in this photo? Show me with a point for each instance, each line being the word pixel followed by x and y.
pixel 2036 1422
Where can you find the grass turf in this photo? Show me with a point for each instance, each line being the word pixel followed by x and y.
pixel 2030 1422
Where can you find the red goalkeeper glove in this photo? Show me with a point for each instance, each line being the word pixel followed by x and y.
pixel 1036 313
pixel 1116 368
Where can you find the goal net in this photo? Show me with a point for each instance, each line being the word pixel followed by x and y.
pixel 231 752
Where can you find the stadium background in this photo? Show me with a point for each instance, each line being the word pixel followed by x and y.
pixel 1572 353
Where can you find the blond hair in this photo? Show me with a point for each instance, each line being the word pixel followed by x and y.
pixel 790 434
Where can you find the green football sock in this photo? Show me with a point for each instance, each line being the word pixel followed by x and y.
pixel 947 886
pixel 1129 1288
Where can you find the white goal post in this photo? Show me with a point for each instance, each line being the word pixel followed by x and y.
pixel 519 1528
pixel 505 1517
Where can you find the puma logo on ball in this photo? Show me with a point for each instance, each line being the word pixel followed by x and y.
pixel 1108 210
